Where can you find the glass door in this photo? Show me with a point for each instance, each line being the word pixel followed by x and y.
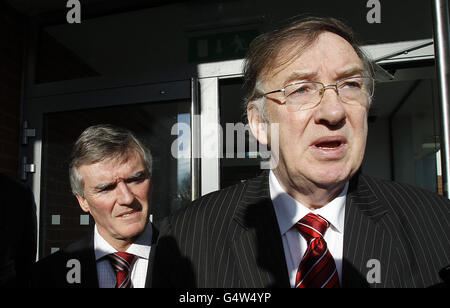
pixel 150 111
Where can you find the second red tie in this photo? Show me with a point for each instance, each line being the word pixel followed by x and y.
pixel 122 263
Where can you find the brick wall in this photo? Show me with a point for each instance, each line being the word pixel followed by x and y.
pixel 11 55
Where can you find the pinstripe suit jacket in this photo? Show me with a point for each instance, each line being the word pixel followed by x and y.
pixel 231 238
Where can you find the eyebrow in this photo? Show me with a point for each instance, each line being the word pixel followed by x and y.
pixel 103 186
pixel 348 72
pixel 299 75
pixel 138 175
pixel 311 76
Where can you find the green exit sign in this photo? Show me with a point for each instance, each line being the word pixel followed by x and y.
pixel 221 46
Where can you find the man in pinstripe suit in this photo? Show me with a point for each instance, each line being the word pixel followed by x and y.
pixel 380 234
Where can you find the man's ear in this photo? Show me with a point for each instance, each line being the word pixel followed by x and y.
pixel 257 125
pixel 83 203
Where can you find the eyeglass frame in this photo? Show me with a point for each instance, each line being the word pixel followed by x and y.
pixel 323 89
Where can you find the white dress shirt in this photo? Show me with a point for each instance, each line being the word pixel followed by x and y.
pixel 140 248
pixel 289 211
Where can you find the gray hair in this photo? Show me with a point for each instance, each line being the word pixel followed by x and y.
pixel 103 142
pixel 266 51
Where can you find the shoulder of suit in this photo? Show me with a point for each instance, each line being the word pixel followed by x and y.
pixel 406 195
pixel 228 193
pixel 209 209
pixel 229 197
pixel 72 250
pixel 51 271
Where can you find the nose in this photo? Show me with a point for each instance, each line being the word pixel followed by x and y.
pixel 124 195
pixel 330 111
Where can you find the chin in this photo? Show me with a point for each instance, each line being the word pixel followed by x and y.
pixel 134 229
pixel 328 176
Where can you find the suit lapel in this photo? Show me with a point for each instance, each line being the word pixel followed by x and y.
pixel 367 245
pixel 84 252
pixel 257 241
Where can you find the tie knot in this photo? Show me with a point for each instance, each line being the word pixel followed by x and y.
pixel 312 226
pixel 122 261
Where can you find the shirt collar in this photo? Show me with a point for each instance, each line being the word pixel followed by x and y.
pixel 140 248
pixel 289 211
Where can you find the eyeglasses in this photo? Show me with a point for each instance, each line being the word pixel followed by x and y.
pixel 309 94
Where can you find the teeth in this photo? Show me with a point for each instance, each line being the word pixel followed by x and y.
pixel 329 145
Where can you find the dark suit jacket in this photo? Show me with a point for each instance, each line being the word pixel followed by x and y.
pixel 231 238
pixel 52 271
pixel 18 230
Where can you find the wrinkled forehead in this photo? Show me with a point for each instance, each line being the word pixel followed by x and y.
pixel 310 53
pixel 117 158
pixel 130 154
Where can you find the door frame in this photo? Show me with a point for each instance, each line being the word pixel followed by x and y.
pixel 37 107
pixel 202 89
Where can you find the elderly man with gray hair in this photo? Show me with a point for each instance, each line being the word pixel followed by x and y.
pixel 314 220
pixel 110 175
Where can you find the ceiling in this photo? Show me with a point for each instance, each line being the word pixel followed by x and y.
pixel 400 20
pixel 33 7
pixel 36 7
pixel 122 43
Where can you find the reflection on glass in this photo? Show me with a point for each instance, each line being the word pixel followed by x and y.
pixel 240 157
pixel 415 133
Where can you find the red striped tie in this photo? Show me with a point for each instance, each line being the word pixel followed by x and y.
pixel 317 268
pixel 122 263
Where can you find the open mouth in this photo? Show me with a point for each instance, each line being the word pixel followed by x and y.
pixel 329 145
pixel 127 214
